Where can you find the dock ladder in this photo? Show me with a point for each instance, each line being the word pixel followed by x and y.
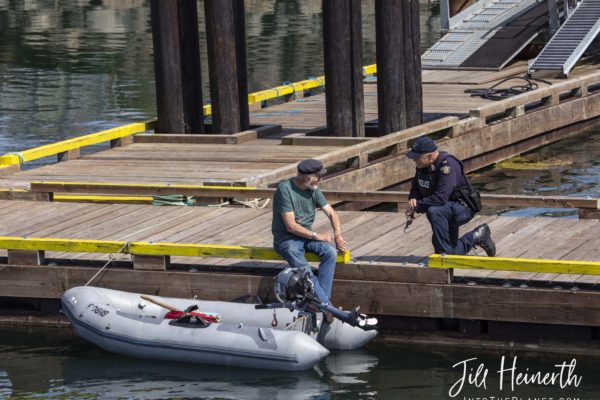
pixel 572 39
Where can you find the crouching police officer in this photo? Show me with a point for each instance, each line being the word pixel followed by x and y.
pixel 441 190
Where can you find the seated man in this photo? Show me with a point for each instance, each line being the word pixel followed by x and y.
pixel 294 206
pixel 437 191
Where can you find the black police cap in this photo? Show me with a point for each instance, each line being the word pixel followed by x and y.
pixel 311 166
pixel 422 145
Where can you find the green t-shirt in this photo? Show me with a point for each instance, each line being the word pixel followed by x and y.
pixel 303 203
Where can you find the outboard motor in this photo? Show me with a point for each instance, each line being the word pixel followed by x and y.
pixel 293 284
pixel 295 290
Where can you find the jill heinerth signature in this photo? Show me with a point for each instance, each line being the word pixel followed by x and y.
pixel 476 375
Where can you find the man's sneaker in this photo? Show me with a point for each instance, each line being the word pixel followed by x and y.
pixel 483 239
pixel 368 323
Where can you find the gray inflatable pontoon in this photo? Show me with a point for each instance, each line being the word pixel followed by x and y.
pixel 125 323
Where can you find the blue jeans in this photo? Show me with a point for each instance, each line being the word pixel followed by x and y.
pixel 445 221
pixel 293 250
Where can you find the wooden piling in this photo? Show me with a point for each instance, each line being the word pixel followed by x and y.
pixel 413 90
pixel 239 23
pixel 342 44
pixel 399 87
pixel 177 66
pixel 390 68
pixel 222 66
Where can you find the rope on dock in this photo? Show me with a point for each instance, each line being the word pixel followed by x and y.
pixel 294 93
pixel 492 93
pixel 254 203
pixel 110 259
pixel 320 81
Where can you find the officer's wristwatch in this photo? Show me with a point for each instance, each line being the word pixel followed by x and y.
pixel 314 235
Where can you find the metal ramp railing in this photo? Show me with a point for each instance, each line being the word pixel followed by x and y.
pixel 572 39
pixel 472 28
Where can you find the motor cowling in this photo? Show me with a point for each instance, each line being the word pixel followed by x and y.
pixel 293 284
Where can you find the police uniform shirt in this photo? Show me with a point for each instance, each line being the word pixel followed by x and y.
pixel 434 185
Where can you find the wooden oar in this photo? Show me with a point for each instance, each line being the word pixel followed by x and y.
pixel 158 303
pixel 205 318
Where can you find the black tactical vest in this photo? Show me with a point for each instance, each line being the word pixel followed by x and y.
pixel 427 177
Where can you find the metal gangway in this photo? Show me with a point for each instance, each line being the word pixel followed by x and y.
pixel 471 29
pixel 572 39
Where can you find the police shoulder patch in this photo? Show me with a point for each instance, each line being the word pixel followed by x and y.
pixel 445 169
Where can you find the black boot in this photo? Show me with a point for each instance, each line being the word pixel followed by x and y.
pixel 483 239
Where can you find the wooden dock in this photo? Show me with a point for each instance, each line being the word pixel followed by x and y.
pixel 288 132
pixel 373 237
pixel 443 93
pixel 386 273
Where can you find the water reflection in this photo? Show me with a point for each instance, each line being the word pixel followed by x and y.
pixel 567 167
pixel 567 213
pixel 79 66
pixel 153 380
pixel 55 364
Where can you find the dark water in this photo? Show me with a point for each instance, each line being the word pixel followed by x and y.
pixel 568 167
pixel 54 364
pixel 74 67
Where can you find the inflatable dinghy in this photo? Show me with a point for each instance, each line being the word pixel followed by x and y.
pixel 209 332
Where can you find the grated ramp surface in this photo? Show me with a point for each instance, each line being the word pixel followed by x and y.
pixel 476 28
pixel 571 40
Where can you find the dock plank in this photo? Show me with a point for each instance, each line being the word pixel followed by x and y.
pixel 558 228
pixel 29 226
pixel 371 236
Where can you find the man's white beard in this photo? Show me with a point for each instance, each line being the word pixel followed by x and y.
pixel 313 187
